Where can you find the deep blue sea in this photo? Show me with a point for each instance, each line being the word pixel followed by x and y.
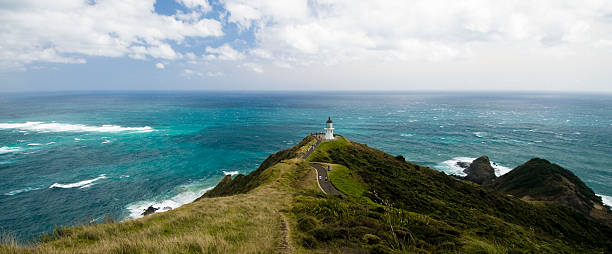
pixel 73 158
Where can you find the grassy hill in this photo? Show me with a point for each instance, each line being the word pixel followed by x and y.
pixel 388 206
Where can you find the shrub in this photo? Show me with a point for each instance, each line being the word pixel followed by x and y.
pixel 309 242
pixel 323 234
pixel 371 239
pixel 307 223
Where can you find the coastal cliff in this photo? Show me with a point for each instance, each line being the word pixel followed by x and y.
pixel 388 205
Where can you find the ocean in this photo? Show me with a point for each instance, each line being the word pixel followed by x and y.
pixel 74 158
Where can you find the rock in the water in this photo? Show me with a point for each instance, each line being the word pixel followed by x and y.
pixel 480 171
pixel 227 179
pixel 150 210
pixel 463 164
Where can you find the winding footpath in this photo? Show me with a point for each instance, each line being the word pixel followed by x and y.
pixel 322 178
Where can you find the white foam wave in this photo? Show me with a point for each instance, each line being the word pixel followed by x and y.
pixel 406 135
pixel 63 127
pixel 6 149
pixel 186 194
pixel 230 172
pixel 83 184
pixel 15 192
pixel 451 167
pixel 34 144
pixel 479 134
pixel 607 200
pixel 106 141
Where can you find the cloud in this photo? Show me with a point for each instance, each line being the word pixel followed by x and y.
pixel 201 4
pixel 160 66
pixel 68 31
pixel 340 31
pixel 253 67
pixel 224 52
pixel 341 42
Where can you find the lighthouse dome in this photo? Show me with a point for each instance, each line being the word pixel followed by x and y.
pixel 329 120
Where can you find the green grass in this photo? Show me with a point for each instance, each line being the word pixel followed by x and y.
pixel 390 206
pixel 345 181
pixel 459 211
pixel 322 151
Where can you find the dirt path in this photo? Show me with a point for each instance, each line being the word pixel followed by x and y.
pixel 285 246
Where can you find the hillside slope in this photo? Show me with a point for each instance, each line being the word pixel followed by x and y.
pixel 459 215
pixel 388 206
pixel 540 180
pixel 253 221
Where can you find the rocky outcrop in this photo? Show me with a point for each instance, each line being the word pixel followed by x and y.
pixel 226 179
pixel 480 171
pixel 540 180
pixel 150 210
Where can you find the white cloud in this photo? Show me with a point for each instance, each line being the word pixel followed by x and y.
pixel 224 52
pixel 253 67
pixel 337 31
pixel 202 4
pixel 66 31
pixel 160 66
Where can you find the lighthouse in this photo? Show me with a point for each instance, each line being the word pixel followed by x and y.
pixel 329 129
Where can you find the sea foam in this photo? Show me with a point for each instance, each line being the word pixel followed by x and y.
pixel 6 149
pixel 83 184
pixel 230 172
pixel 63 127
pixel 451 167
pixel 607 200
pixel 15 192
pixel 186 194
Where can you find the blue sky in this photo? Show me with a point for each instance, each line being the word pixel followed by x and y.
pixel 305 45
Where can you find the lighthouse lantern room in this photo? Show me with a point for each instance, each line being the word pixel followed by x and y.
pixel 329 129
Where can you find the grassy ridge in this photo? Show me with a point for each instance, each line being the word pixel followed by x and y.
pixel 463 216
pixel 244 183
pixel 242 223
pixel 389 206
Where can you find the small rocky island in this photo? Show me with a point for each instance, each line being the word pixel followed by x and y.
pixel 538 180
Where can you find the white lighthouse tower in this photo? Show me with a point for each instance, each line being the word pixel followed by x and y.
pixel 329 129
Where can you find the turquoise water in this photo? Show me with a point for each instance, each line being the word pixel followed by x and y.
pixel 73 158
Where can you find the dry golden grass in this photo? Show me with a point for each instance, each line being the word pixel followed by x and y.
pixel 244 223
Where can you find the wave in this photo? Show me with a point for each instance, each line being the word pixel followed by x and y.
pixel 230 172
pixel 406 135
pixel 63 127
pixel 451 167
pixel 607 200
pixel 15 192
pixel 186 194
pixel 6 149
pixel 83 184
pixel 479 134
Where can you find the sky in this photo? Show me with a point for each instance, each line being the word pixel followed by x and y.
pixel 543 45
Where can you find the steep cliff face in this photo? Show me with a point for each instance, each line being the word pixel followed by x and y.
pixel 480 171
pixel 540 180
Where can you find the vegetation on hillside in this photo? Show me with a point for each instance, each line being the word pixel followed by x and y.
pixel 244 183
pixel 541 180
pixel 388 206
pixel 458 215
pixel 243 223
